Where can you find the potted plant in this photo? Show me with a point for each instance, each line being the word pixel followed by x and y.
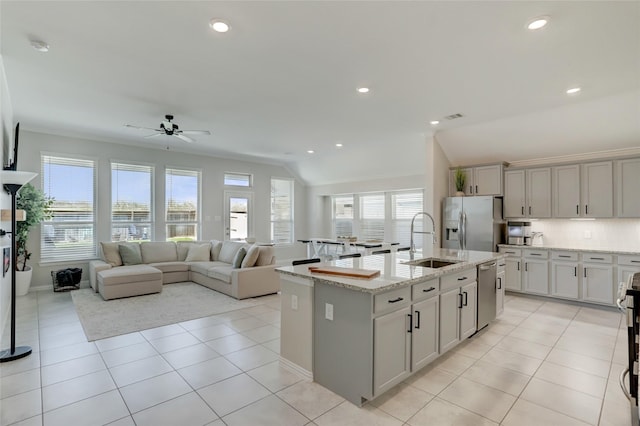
pixel 37 207
pixel 460 181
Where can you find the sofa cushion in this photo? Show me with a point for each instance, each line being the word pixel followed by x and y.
pixel 159 251
pixel 129 274
pixel 222 273
pixel 239 257
pixel 229 250
pixel 171 266
pixel 111 253
pixel 203 267
pixel 251 257
pixel 215 249
pixel 130 253
pixel 199 253
pixel 183 249
pixel 266 256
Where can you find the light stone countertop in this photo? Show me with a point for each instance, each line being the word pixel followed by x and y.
pixel 578 249
pixel 394 272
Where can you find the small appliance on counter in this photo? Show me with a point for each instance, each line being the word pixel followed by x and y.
pixel 519 233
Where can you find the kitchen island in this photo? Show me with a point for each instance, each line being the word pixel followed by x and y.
pixel 360 337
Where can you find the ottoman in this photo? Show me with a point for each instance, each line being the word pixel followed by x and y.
pixel 131 280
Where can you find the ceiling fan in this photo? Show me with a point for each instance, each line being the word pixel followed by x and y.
pixel 167 127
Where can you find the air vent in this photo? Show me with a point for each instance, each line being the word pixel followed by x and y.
pixel 453 116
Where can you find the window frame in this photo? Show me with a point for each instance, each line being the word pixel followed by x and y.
pixel 198 219
pixel 128 224
pixel 291 221
pixel 248 176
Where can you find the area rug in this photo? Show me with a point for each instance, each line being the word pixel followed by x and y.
pixel 176 303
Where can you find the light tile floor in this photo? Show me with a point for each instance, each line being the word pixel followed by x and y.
pixel 540 363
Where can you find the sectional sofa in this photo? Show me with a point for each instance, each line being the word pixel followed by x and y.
pixel 237 269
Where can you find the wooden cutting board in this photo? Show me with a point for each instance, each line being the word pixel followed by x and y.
pixel 344 272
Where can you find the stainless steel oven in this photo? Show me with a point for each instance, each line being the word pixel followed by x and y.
pixel 629 303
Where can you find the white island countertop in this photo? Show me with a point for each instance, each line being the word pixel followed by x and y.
pixel 394 272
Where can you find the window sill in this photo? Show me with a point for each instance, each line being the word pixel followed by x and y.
pixel 65 262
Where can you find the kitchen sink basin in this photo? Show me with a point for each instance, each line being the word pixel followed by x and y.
pixel 430 263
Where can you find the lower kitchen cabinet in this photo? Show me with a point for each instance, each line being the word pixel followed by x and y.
pixel 425 332
pixel 391 349
pixel 564 280
pixel 536 276
pixel 500 280
pixel 513 274
pixel 597 283
pixel 458 315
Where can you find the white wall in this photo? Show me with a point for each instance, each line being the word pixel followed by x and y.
pixel 606 234
pixel 6 127
pixel 213 169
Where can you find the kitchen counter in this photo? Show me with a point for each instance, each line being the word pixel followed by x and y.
pixel 578 249
pixel 394 272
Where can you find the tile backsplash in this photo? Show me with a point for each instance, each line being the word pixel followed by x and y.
pixel 613 234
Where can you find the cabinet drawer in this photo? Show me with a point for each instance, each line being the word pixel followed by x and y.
pixel 597 257
pixel 502 265
pixel 511 251
pixel 537 254
pixel 425 290
pixel 567 256
pixel 629 259
pixel 392 300
pixel 458 279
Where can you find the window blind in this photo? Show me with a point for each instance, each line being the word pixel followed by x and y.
pixel 372 217
pixel 343 215
pixel 70 233
pixel 282 211
pixel 404 207
pixel 131 202
pixel 182 204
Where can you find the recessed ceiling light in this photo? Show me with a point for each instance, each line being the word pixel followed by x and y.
pixel 39 45
pixel 363 90
pixel 310 151
pixel 339 145
pixel 219 26
pixel 573 91
pixel 434 122
pixel 538 23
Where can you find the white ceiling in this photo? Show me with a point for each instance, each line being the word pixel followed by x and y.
pixel 283 80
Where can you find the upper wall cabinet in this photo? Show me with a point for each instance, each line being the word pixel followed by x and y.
pixel 527 193
pixel 627 179
pixel 481 180
pixel 584 190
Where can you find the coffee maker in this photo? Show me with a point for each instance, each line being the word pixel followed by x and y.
pixel 519 233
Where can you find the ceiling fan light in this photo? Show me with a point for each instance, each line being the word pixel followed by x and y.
pixel 573 90
pixel 538 23
pixel 39 45
pixel 219 26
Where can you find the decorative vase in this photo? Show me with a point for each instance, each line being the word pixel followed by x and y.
pixel 459 193
pixel 23 281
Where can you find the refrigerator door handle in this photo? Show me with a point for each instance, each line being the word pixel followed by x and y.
pixel 460 230
pixel 464 231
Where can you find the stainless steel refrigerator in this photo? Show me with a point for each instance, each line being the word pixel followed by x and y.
pixel 472 223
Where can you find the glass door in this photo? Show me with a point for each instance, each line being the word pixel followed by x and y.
pixel 238 215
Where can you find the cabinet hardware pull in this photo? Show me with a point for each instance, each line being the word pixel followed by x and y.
pixel 586 209
pixel 410 323
pixel 460 306
pixel 502 264
pixel 510 252
pixel 427 290
pixel 476 189
pixel 522 210
pixel 535 254
pixel 470 189
pixel 500 281
pixel 585 272
pixel 526 266
pixel 635 261
pixel 596 258
pixel 575 271
pixel 518 266
pixel 462 278
pixel 396 300
pixel 529 209
pixel 466 298
pixel 417 326
pixel 564 255
pixel 577 209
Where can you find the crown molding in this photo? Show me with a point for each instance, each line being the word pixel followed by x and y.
pixel 589 156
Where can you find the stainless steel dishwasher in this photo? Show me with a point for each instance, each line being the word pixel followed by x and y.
pixel 486 293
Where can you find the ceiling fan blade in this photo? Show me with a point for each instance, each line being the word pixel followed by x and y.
pixel 154 135
pixel 195 132
pixel 184 138
pixel 142 128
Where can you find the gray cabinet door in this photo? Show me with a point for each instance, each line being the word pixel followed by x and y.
pixel 597 283
pixel 597 189
pixel 500 280
pixel 469 311
pixel 424 340
pixel 487 180
pixel 566 191
pixel 536 276
pixel 513 278
pixel 391 349
pixel 564 279
pixel 627 178
pixel 514 193
pixel 539 192
pixel 449 319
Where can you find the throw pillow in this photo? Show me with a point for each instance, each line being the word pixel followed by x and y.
pixel 266 256
pixel 199 253
pixel 215 249
pixel 239 257
pixel 111 254
pixel 130 253
pixel 251 257
pixel 229 250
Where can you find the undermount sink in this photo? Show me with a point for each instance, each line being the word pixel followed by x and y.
pixel 430 263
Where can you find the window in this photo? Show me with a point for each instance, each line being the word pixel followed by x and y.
pixel 182 204
pixel 372 217
pixel 343 215
pixel 131 201
pixel 281 211
pixel 70 233
pixel 404 206
pixel 237 179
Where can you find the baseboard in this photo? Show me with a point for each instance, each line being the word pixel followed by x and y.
pixel 49 287
pixel 296 368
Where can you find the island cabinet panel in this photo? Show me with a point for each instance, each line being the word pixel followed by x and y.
pixel 469 310
pixel 391 349
pixel 425 333
pixel 450 305
pixel 500 287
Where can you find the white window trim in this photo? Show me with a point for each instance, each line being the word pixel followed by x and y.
pixel 293 217
pixel 152 217
pixel 198 221
pixel 248 175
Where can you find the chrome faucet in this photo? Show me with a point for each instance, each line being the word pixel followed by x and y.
pixel 412 246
